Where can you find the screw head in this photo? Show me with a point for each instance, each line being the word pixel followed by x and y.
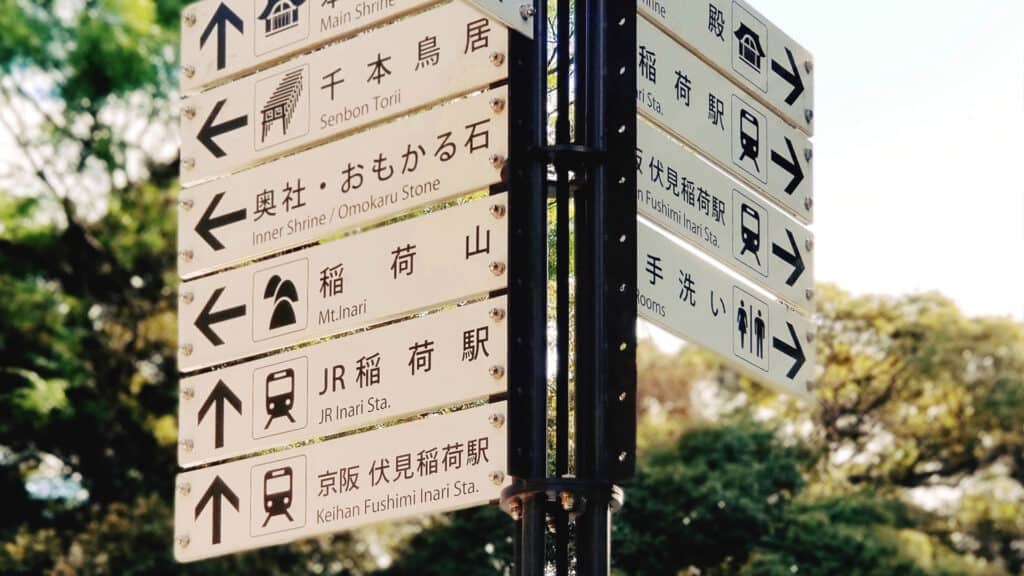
pixel 497 161
pixel 186 205
pixel 183 541
pixel 498 105
pixel 187 255
pixel 809 244
pixel 189 112
pixel 497 268
pixel 809 294
pixel 186 349
pixel 188 163
pixel 526 11
pixel 808 154
pixel 187 445
pixel 809 66
pixel 497 58
pixel 188 70
pixel 809 115
pixel 184 489
pixel 190 19
pixel 808 203
pixel 188 297
pixel 498 211
pixel 496 477
pixel 496 420
pixel 188 393
pixel 496 372
pixel 623 396
pixel 810 336
pixel 497 314
pixel 623 456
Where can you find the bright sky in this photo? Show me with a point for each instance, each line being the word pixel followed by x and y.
pixel 919 136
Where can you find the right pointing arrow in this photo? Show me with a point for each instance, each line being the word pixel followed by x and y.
pixel 208 222
pixel 220 394
pixel 207 317
pixel 791 165
pixel 209 131
pixel 217 493
pixel 794 351
pixel 791 75
pixel 794 258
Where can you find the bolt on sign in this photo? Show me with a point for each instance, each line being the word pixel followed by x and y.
pixel 437 464
pixel 683 95
pixel 681 193
pixel 346 284
pixel 516 14
pixel 681 292
pixel 447 51
pixel 368 177
pixel 747 48
pixel 447 358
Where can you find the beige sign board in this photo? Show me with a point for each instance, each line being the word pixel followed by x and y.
pixel 436 464
pixel 449 255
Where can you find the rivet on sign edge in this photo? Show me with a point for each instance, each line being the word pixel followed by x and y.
pixel 808 203
pixel 187 255
pixel 188 393
pixel 623 456
pixel 497 314
pixel 188 163
pixel 498 105
pixel 498 211
pixel 184 488
pixel 497 161
pixel 809 294
pixel 526 11
pixel 497 268
pixel 497 58
pixel 190 19
pixel 188 297
pixel 810 336
pixel 187 445
pixel 496 372
pixel 496 420
pixel 186 205
pixel 183 540
pixel 189 112
pixel 186 349
pixel 809 244
pixel 188 70
pixel 809 66
pixel 809 115
pixel 808 154
pixel 496 477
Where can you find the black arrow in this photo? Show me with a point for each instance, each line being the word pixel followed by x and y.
pixel 217 492
pixel 221 18
pixel 218 396
pixel 791 165
pixel 794 258
pixel 790 75
pixel 209 131
pixel 207 317
pixel 795 351
pixel 208 223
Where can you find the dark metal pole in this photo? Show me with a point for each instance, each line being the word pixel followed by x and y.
pixel 527 419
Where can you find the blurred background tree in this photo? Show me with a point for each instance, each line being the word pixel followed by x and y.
pixel 912 462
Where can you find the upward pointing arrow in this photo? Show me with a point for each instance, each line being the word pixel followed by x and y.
pixel 221 18
pixel 220 394
pixel 790 75
pixel 216 493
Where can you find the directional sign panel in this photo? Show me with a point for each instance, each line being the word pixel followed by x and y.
pixel 436 464
pixel 415 62
pixel 700 204
pixel 356 281
pixel 516 14
pixel 684 294
pixel 742 44
pixel 333 187
pixel 447 358
pixel 681 93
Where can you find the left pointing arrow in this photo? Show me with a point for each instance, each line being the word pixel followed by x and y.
pixel 219 22
pixel 794 351
pixel 208 222
pixel 220 394
pixel 207 317
pixel 217 493
pixel 209 131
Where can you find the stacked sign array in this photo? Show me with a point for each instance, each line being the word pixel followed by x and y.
pixel 725 186
pixel 300 317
